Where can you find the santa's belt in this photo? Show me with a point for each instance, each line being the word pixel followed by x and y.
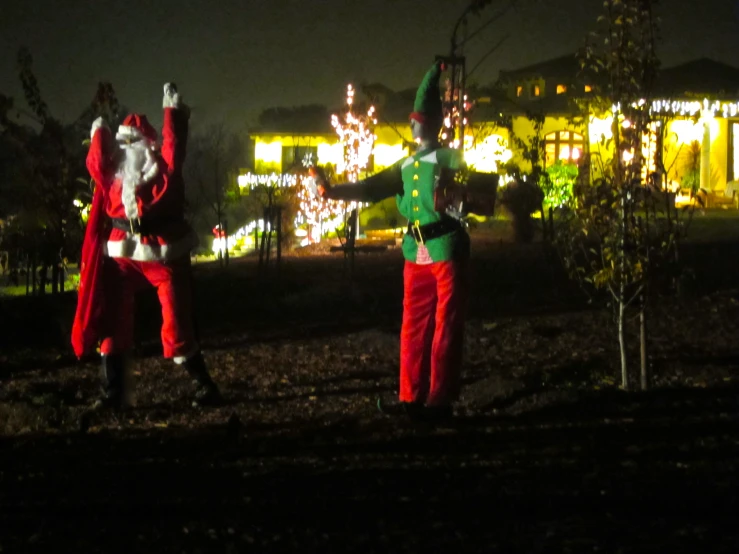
pixel 422 233
pixel 143 225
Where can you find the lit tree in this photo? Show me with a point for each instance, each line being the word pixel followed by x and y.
pixel 356 137
pixel 319 214
pixel 357 140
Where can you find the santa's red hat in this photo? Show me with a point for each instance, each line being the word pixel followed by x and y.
pixel 136 127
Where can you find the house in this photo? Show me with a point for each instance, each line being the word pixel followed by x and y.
pixel 695 140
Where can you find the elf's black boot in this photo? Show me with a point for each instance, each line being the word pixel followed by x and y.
pixel 112 382
pixel 206 391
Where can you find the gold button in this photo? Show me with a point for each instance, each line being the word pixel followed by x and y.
pixel 415 193
pixel 416 164
pixel 415 208
pixel 418 222
pixel 415 177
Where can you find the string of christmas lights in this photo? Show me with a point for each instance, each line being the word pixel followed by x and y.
pixel 453 116
pixel 714 108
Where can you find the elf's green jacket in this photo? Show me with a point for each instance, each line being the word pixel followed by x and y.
pixel 412 181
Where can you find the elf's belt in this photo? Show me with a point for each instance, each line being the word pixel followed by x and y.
pixel 422 233
pixel 144 225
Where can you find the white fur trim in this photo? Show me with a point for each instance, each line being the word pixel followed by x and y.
pixel 97 124
pixel 179 360
pixel 127 132
pixel 429 158
pixel 132 248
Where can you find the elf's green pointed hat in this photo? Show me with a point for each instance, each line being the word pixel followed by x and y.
pixel 427 107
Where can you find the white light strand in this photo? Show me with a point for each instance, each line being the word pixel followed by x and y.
pixel 691 108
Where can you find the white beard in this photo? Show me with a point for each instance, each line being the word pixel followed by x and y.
pixel 137 166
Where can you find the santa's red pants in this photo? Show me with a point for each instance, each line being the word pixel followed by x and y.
pixel 432 336
pixel 172 280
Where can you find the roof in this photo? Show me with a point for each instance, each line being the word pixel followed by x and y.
pixel 297 120
pixel 565 67
pixel 393 107
pixel 699 77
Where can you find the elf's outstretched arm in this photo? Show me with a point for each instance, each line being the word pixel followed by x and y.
pixel 174 131
pixel 384 184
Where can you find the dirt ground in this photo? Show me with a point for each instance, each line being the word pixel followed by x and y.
pixel 546 454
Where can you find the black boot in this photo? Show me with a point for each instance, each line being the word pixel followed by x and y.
pixel 206 391
pixel 412 410
pixel 113 382
pixel 438 414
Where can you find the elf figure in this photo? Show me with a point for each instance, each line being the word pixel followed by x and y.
pixel 137 236
pixel 436 249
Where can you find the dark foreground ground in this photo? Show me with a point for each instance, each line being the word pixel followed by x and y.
pixel 547 454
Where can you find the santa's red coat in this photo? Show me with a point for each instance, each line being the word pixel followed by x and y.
pixel 160 198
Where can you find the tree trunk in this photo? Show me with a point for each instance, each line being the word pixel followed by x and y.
pixel 622 290
pixel 279 235
pixel 551 223
pixel 225 232
pixel 34 277
pixel 264 236
pixel 544 234
pixel 221 243
pixel 643 343
pixel 28 276
pixel 43 278
pixel 622 345
pixel 55 278
pixel 268 228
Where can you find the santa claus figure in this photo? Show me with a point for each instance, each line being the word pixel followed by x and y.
pixel 137 236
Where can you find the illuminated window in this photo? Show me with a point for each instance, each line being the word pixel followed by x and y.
pixel 292 156
pixel 519 91
pixel 535 90
pixel 566 146
pixel 561 89
pixel 588 88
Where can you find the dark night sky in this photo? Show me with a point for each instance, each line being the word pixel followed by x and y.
pixel 232 58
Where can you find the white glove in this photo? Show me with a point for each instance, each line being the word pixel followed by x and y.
pixel 171 96
pixel 97 124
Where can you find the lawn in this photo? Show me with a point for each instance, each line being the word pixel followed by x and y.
pixel 547 454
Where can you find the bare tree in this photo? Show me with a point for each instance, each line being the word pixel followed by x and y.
pixel 214 158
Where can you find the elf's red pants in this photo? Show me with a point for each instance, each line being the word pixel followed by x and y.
pixel 432 336
pixel 123 277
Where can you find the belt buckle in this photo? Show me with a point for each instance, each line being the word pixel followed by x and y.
pixel 417 229
pixel 135 225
